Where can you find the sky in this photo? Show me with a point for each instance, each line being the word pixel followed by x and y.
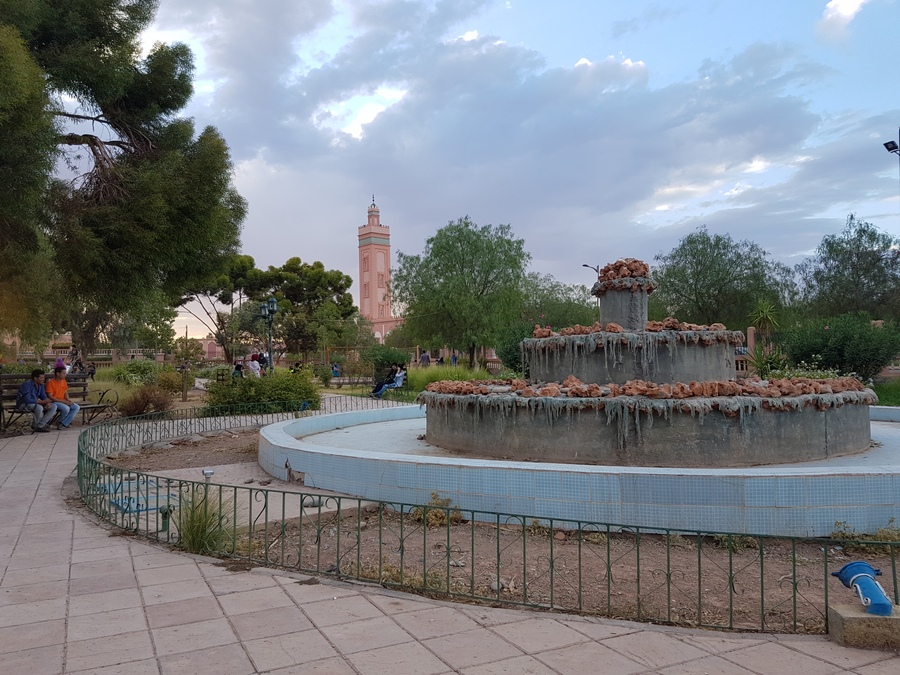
pixel 597 129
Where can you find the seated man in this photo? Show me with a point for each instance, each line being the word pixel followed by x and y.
pixel 32 397
pixel 396 384
pixel 58 391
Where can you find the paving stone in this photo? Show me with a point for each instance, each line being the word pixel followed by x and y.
pixel 356 636
pixel 90 585
pixel 101 652
pixel 332 666
pixel 29 636
pixel 32 612
pixel 708 664
pixel 341 610
pixel 35 560
pixel 270 623
pixel 238 582
pixel 33 592
pixel 167 575
pixel 183 611
pixel 654 649
pixel 471 648
pixel 824 649
pixel 771 657
pixel 180 590
pixel 226 660
pixel 287 650
pixel 538 635
pixel 256 600
pixel 101 553
pixel 37 575
pixel 101 568
pixel 519 665
pixel 105 624
pixel 193 636
pixel 435 621
pixel 410 659
pixel 95 603
pixel 145 667
pixel 37 661
pixel 587 657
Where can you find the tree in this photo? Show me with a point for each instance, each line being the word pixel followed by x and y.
pixel 314 303
pixel 464 288
pixel 855 271
pixel 151 207
pixel 712 278
pixel 28 138
pixel 547 302
pixel 215 300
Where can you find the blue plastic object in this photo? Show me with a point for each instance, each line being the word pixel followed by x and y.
pixel 861 576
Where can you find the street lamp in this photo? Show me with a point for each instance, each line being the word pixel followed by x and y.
pixel 267 310
pixel 893 147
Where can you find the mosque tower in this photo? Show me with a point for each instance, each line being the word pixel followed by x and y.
pixel 374 274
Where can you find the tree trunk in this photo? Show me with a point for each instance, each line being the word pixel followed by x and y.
pixel 472 357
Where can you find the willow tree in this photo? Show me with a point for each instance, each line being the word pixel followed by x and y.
pixel 464 288
pixel 151 208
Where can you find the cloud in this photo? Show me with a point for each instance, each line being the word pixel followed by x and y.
pixel 837 16
pixel 325 103
pixel 650 16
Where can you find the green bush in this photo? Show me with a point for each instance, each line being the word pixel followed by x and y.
pixel 419 378
pixel 888 392
pixel 381 356
pixel 18 367
pixel 135 372
pixel 171 380
pixel 280 386
pixel 848 344
pixel 149 398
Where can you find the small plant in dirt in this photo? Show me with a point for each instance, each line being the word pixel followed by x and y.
pixel 735 542
pixel 876 543
pixel 148 398
pixel 199 520
pixel 438 512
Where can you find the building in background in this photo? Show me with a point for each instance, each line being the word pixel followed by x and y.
pixel 374 274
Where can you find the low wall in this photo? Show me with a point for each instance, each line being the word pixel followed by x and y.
pixel 666 356
pixel 802 501
pixel 633 431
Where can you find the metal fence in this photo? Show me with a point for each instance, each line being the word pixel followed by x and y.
pixel 704 579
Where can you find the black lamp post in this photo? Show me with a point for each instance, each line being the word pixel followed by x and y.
pixel 893 147
pixel 267 310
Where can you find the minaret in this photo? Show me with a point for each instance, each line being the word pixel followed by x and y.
pixel 374 273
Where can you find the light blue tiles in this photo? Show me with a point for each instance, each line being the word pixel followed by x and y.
pixel 794 501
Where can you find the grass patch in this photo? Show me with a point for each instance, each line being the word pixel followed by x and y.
pixel 438 512
pixel 200 520
pixel 888 392
pixel 877 543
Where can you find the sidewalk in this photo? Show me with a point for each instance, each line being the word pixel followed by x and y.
pixel 78 598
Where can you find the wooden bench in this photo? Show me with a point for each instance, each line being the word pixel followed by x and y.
pixel 106 404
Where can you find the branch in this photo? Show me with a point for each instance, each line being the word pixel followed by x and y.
pixel 99 119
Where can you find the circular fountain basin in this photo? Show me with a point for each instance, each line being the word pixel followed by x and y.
pixel 377 454
pixel 636 431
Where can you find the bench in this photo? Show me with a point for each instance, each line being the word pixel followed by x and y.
pixel 106 404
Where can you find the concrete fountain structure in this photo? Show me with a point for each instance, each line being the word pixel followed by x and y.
pixel 669 440
pixel 639 393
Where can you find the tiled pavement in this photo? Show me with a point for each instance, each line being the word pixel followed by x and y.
pixel 75 598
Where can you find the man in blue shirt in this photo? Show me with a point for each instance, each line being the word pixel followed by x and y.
pixel 32 397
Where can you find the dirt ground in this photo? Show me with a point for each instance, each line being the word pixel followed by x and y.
pixel 745 583
pixel 226 448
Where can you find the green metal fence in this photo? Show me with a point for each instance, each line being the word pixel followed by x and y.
pixel 705 579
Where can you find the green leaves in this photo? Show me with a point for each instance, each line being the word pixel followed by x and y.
pixel 465 287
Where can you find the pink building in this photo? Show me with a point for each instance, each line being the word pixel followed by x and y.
pixel 374 274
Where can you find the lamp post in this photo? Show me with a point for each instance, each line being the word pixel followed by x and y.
pixel 268 310
pixel 893 147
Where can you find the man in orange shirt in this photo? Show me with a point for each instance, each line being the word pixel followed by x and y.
pixel 58 391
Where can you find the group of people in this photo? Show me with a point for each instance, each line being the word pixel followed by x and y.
pixel 256 365
pixel 425 359
pixel 393 380
pixel 45 399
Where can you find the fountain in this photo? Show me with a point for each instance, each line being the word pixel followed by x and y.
pixel 633 422
pixel 645 393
